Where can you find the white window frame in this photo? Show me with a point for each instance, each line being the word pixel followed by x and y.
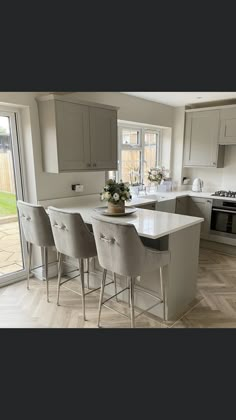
pixel 14 122
pixel 142 130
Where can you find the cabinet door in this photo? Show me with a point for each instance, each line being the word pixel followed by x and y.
pixel 167 206
pixel 103 138
pixel 181 205
pixel 228 126
pixel 149 206
pixel 72 124
pixel 201 207
pixel 201 138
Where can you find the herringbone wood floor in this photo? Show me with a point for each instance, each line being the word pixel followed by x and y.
pixel 214 306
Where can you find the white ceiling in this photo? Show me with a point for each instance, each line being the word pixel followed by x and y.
pixel 182 98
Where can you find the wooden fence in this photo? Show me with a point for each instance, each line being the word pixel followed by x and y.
pixel 6 172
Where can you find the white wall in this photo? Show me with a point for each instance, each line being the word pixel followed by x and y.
pixel 130 107
pixel 177 145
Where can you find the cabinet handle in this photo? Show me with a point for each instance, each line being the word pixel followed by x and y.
pixel 209 201
pixel 214 163
pixel 88 165
pixel 94 164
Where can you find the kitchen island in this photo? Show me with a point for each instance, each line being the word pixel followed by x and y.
pixel 162 231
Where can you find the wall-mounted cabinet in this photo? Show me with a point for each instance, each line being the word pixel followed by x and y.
pixel 77 136
pixel 227 126
pixel 201 148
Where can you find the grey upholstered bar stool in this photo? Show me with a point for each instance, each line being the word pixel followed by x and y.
pixel 73 239
pixel 121 250
pixel 37 231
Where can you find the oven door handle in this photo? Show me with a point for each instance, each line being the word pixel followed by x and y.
pixel 224 211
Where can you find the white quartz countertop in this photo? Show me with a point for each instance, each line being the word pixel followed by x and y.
pixel 148 223
pixel 164 196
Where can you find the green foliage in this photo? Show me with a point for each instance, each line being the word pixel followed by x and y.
pixel 116 191
pixel 7 204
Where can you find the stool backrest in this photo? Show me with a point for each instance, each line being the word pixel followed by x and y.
pixel 35 224
pixel 71 235
pixel 119 247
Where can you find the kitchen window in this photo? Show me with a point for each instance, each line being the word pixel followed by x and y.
pixel 139 150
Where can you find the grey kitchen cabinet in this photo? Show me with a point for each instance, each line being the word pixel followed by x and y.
pixel 148 206
pixel 201 148
pixel 103 138
pixel 72 131
pixel 227 126
pixel 77 136
pixel 181 205
pixel 167 206
pixel 201 207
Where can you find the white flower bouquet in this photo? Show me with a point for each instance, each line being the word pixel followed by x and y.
pixel 115 192
pixel 157 174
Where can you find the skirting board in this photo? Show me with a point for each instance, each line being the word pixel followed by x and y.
pixel 52 271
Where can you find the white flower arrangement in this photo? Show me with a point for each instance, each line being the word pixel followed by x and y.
pixel 116 191
pixel 157 174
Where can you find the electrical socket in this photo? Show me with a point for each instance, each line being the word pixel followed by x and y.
pixel 77 187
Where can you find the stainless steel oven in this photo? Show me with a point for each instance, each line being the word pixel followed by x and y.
pixel 223 218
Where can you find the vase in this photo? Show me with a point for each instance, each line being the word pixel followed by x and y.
pixel 154 186
pixel 118 207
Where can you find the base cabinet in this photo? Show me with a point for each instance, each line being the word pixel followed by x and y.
pixel 201 207
pixel 181 205
pixel 197 207
pixel 148 206
pixel 167 206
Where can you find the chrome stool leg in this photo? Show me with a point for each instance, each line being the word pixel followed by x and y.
pixel 29 252
pixel 59 276
pixel 132 280
pixel 81 267
pixel 45 258
pixel 163 294
pixel 115 285
pixel 88 273
pixel 128 291
pixel 101 295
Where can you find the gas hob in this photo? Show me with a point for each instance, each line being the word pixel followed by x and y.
pixel 223 193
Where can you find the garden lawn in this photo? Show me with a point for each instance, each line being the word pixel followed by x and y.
pixel 7 204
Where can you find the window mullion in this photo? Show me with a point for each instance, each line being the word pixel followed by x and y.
pixel 141 147
pixel 142 154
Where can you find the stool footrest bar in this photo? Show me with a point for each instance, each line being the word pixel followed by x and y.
pixel 42 265
pixel 114 294
pixel 91 291
pixel 139 289
pixel 116 310
pixel 64 281
pixel 148 309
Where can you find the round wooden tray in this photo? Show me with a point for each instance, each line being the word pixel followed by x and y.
pixel 128 210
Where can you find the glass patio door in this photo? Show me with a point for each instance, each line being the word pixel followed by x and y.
pixel 12 246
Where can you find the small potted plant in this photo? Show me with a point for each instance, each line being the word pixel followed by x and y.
pixel 116 193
